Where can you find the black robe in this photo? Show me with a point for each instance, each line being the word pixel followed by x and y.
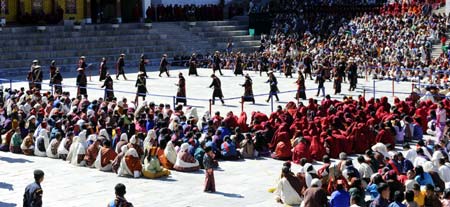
pixel 120 66
pixel 238 67
pixel 193 66
pixel 142 67
pixel 81 83
pixel 217 88
pixel 141 84
pixel 163 65
pixel 181 92
pixel 248 90
pixel 103 70
pixel 109 90
pixel 57 81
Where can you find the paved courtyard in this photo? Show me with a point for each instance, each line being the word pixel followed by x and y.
pixel 240 183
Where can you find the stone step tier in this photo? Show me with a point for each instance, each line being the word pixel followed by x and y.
pixel 65 45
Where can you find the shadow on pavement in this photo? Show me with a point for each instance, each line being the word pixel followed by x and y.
pixel 7 204
pixel 231 195
pixel 6 186
pixel 14 160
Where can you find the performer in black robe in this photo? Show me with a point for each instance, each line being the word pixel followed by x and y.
pixel 301 87
pixel 352 74
pixel 217 89
pixel 81 83
pixel 264 62
pixel 52 72
pixel 307 61
pixel 30 74
pixel 57 81
pixel 273 86
pixel 238 66
pixel 103 69
pixel 37 77
pixel 181 92
pixel 193 65
pixel 121 67
pixel 288 66
pixel 108 85
pixel 141 84
pixel 216 63
pixel 142 64
pixel 163 66
pixel 248 90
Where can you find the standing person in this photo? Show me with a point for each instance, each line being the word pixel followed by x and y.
pixel 193 65
pixel 52 71
pixel 81 83
pixel 230 46
pixel 120 67
pixel 142 63
pixel 301 87
pixel 216 63
pixel 340 197
pixel 108 85
pixel 30 74
pixel 288 65
pixel 264 64
pixel 120 200
pixel 341 68
pixel 352 74
pixel 82 62
pixel 33 192
pixel 181 92
pixel 248 90
pixel 337 83
pixel 273 86
pixel 163 66
pixel 57 81
pixel 141 84
pixel 37 77
pixel 208 163
pixel 320 80
pixel 217 89
pixel 307 61
pixel 103 69
pixel 238 66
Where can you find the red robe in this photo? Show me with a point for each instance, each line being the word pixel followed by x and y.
pixel 133 163
pixel 317 149
pixel 301 150
pixel 107 155
pixel 283 151
pixel 385 137
pixel 242 122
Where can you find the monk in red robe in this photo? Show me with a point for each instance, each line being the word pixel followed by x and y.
pixel 301 150
pixel 317 148
pixel 282 151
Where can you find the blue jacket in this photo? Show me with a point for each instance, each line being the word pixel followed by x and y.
pixel 340 198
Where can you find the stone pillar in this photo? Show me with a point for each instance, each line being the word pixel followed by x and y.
pixel 87 14
pixel 119 11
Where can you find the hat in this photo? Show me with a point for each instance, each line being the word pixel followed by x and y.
pixel 270 72
pixel 142 55
pixel 35 61
pixel 80 69
pixel 82 57
pixel 165 55
pixel 316 182
pixel 53 62
pixel 37 66
pixel 122 54
pixel 217 51
pixel 140 73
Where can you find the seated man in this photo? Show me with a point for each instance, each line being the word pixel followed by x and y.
pixel 228 150
pixel 52 150
pixel 282 151
pixel 105 157
pixel 130 165
pixel 289 190
pixel 185 161
pixel 152 169
pixel 64 146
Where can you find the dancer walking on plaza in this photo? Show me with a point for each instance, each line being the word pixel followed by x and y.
pixel 57 81
pixel 217 89
pixel 301 87
pixel 121 67
pixel 273 86
pixel 141 84
pixel 216 63
pixel 193 65
pixel 238 66
pixel 181 92
pixel 208 163
pixel 109 90
pixel 103 69
pixel 81 83
pixel 248 90
pixel 142 63
pixel 163 66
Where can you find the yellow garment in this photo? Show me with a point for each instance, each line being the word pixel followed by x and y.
pixel 420 198
pixel 150 175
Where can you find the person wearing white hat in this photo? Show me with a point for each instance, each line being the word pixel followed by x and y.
pixel 120 67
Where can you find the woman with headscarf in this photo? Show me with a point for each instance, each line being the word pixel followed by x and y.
pixel 116 162
pixel 41 144
pixel 105 157
pixel 130 165
pixel 78 151
pixel 27 145
pixel 134 143
pixel 170 153
pixel 152 168
pixel 123 141
pixel 186 162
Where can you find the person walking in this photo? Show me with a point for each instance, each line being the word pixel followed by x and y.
pixel 109 90
pixel 181 92
pixel 103 69
pixel 193 65
pixel 217 89
pixel 273 86
pixel 57 81
pixel 141 84
pixel 33 192
pixel 301 86
pixel 208 163
pixel 81 83
pixel 320 80
pixel 120 67
pixel 142 63
pixel 248 90
pixel 163 66
pixel 216 63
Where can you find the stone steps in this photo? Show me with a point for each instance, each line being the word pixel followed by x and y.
pixel 219 28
